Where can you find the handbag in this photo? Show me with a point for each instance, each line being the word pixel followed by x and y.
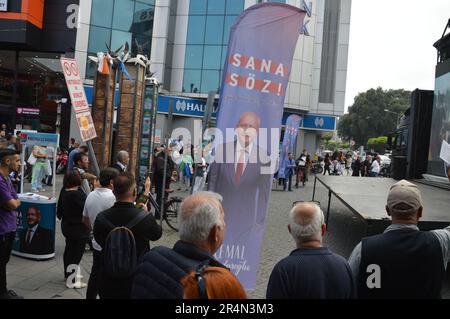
pixel 31 160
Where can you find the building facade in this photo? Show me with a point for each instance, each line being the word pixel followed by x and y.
pixel 187 43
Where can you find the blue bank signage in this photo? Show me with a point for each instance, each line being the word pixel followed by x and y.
pixel 319 122
pixel 184 107
pixel 315 122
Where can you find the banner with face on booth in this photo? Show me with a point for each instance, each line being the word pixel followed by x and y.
pixel 255 78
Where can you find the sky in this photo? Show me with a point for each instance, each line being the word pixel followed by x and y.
pixel 391 44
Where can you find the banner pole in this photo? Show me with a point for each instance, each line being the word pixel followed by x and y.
pixel 93 158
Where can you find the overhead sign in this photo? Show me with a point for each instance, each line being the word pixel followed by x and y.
pixel 41 139
pixel 28 111
pixel 3 5
pixel 184 107
pixel 78 98
pixel 319 122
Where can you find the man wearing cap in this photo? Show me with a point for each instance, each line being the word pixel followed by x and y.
pixel 403 262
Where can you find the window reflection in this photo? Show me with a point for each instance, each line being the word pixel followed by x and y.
pixel 40 83
pixel 212 57
pixel 214 29
pixel 191 83
pixel 7 66
pixel 123 14
pixel 194 56
pixel 208 32
pixel 115 22
pixel 106 8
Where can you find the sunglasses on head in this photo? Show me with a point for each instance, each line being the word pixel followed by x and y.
pixel 201 281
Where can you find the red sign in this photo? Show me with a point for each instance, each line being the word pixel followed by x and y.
pixel 78 98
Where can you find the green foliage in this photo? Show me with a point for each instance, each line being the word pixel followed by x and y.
pixel 367 118
pixel 378 144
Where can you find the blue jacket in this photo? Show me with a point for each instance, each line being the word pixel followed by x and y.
pixel 161 270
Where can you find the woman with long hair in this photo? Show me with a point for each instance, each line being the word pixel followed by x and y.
pixel 70 212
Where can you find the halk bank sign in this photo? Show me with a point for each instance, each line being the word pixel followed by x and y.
pixel 184 107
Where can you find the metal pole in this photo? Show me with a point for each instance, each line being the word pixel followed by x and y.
pixel 93 159
pixel 166 155
pixel 314 189
pixel 105 118
pixel 328 209
pixel 153 121
pixel 117 77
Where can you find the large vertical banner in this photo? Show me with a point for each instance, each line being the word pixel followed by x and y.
pixel 255 78
pixel 290 137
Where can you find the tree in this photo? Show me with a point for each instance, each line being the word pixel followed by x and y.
pixel 378 144
pixel 366 118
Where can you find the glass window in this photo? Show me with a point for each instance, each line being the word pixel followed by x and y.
pixel 142 27
pixel 102 11
pixel 123 15
pixel 216 7
pixel 97 39
pixel 214 29
pixel 151 2
pixel 40 83
pixel 210 81
pixel 196 30
pixel 91 67
pixel 235 6
pixel 197 7
pixel 211 58
pixel 229 20
pixel 191 82
pixel 194 57
pixel 7 67
pixel 224 55
pixel 119 38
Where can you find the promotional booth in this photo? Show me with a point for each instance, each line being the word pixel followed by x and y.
pixel 36 219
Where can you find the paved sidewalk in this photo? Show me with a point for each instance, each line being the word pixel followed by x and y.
pixel 45 279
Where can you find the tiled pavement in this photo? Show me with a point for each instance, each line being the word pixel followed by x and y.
pixel 45 280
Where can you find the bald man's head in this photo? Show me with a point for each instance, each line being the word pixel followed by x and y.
pixel 247 127
pixel 305 222
pixel 199 213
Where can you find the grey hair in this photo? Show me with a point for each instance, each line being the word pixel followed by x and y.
pixel 121 155
pixel 306 229
pixel 196 223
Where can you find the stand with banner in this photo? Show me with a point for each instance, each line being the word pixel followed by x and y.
pixel 255 79
pixel 290 137
pixel 36 220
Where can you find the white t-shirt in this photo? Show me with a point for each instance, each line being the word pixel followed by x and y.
pixel 98 201
pixel 376 167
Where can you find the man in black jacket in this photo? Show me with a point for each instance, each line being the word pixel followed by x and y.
pixel 202 229
pixel 159 173
pixel 121 214
pixel 403 262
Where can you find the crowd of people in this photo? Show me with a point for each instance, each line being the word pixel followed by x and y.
pixel 109 213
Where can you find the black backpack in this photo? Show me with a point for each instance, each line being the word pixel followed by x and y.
pixel 119 253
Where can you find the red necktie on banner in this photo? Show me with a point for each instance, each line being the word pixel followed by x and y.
pixel 240 166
